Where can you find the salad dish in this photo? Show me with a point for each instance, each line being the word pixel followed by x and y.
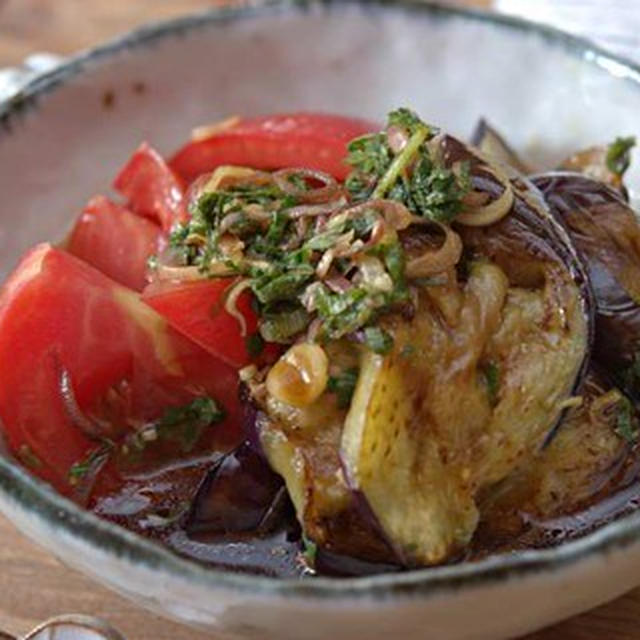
pixel 311 344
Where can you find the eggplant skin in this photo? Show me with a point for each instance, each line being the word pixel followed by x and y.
pixel 606 232
pixel 486 138
pixel 592 163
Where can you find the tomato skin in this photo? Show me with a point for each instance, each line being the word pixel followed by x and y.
pixel 310 140
pixel 196 309
pixel 152 189
pixel 115 241
pixel 58 314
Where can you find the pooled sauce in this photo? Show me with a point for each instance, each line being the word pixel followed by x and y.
pixel 159 507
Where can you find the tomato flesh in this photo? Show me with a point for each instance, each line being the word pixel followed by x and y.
pixel 310 140
pixel 196 309
pixel 115 241
pixel 58 314
pixel 152 189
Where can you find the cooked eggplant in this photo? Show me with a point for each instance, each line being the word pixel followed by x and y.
pixel 606 232
pixel 418 459
pixel 603 163
pixel 486 138
pixel 302 445
pixel 240 493
pixel 592 456
pixel 434 395
pixel 400 471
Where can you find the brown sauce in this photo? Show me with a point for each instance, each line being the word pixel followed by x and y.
pixel 159 506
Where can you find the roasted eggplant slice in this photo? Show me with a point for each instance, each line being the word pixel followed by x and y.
pixel 492 144
pixel 606 232
pixel 241 493
pixel 426 433
pixel 302 445
pixel 593 456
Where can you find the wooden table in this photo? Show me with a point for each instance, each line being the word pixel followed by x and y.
pixel 33 585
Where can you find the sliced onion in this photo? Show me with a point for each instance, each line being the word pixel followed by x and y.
pixel 205 131
pixel 397 138
pixel 394 213
pixel 483 216
pixel 229 175
pixel 321 194
pixel 324 264
pixel 89 427
pixel 183 274
pixel 230 304
pixel 315 210
pixel 438 260
pixel 300 376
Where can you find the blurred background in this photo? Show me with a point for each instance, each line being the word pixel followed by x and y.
pixel 64 26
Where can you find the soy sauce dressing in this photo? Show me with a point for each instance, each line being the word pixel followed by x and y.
pixel 159 506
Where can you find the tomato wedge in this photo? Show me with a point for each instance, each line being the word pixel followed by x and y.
pixel 152 188
pixel 311 140
pixel 115 241
pixel 196 309
pixel 61 319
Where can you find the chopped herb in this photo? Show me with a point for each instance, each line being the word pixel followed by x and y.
pixel 492 380
pixel 184 424
pixel 626 421
pixel 281 326
pixel 307 269
pixel 310 551
pixel 401 162
pixel 405 119
pixel 430 189
pixel 343 385
pixel 378 340
pixel 619 155
pixel 254 345
pixel 93 461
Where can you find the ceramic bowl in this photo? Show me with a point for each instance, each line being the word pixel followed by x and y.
pixel 62 139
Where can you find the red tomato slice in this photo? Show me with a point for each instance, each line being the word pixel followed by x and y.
pixel 311 140
pixel 151 188
pixel 115 241
pixel 196 309
pixel 57 315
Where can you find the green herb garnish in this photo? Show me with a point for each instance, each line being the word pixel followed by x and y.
pixel 310 551
pixel 184 424
pixel 329 272
pixel 430 189
pixel 618 156
pixel 626 422
pixel 343 385
pixel 378 340
pixel 93 461
pixel 492 380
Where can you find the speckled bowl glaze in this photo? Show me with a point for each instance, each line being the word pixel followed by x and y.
pixel 63 137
